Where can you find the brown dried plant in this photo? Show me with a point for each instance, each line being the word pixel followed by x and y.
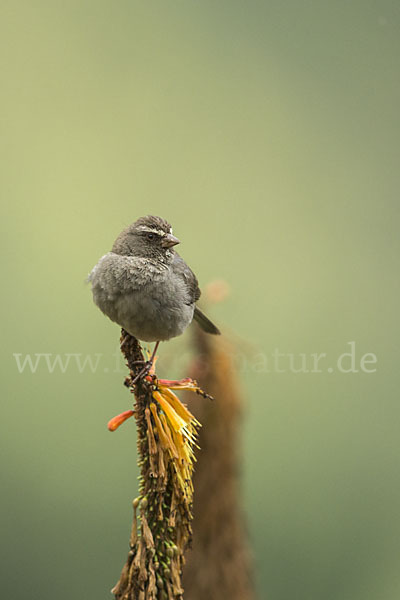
pixel 162 513
pixel 219 564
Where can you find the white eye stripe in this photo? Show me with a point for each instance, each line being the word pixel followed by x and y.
pixel 150 230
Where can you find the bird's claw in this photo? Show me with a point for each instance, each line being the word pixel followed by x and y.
pixel 144 371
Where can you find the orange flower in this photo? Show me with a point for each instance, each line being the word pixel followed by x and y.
pixel 115 422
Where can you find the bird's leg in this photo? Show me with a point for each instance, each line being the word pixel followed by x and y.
pixel 154 353
pixel 150 360
pixel 146 365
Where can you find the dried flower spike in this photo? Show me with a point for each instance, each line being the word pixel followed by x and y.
pixel 161 532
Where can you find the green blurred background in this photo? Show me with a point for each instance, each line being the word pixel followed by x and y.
pixel 267 134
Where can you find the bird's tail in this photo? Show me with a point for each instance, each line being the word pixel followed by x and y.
pixel 205 322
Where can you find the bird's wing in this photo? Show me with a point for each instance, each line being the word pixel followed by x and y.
pixel 181 269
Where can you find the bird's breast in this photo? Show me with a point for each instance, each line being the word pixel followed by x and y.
pixel 150 302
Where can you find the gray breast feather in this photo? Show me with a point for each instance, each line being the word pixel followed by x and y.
pixel 150 301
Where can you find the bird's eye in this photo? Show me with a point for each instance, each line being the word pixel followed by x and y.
pixel 150 236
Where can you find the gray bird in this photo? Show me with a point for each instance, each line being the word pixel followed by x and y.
pixel 145 286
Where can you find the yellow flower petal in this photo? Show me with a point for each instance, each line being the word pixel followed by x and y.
pixel 177 405
pixel 164 439
pixel 177 423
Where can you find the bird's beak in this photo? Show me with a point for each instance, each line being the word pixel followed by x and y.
pixel 169 240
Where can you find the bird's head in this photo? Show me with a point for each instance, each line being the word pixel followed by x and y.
pixel 148 237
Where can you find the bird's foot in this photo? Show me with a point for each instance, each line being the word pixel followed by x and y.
pixel 144 371
pixel 148 367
